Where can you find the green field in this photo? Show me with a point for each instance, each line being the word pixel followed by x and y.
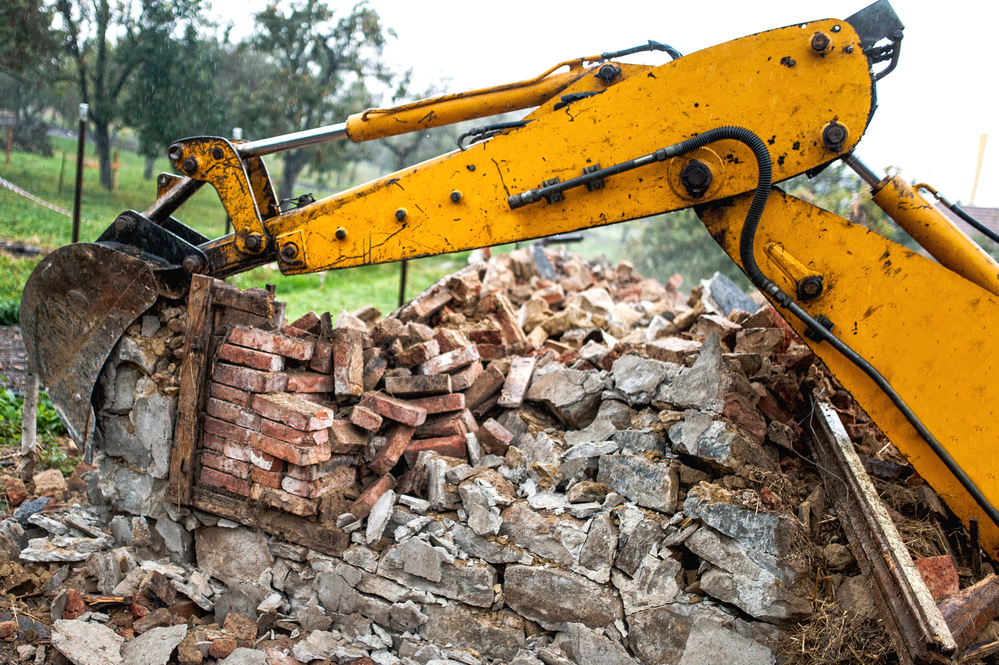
pixel 22 220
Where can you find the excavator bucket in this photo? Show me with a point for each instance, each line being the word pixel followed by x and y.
pixel 74 308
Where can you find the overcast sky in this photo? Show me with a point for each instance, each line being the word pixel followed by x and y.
pixel 931 110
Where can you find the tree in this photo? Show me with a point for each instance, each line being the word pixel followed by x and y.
pixel 316 70
pixel 28 45
pixel 104 43
pixel 175 92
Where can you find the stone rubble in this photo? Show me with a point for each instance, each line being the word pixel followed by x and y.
pixel 564 469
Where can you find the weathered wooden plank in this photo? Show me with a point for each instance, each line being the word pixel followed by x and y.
pixel 319 535
pixel 970 610
pixel 193 383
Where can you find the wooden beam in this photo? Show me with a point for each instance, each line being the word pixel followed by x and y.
pixel 193 373
pixel 319 535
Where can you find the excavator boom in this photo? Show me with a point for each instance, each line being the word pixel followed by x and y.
pixel 606 142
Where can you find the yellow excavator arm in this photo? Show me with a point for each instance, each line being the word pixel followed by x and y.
pixel 606 143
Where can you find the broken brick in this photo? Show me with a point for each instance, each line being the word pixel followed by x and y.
pixel 240 355
pixel 373 371
pixel 398 437
pixel 233 413
pixel 418 385
pixel 492 351
pixel 448 340
pixel 449 361
pixel 340 477
pixel 364 503
pixel 317 471
pixel 230 394
pixel 251 380
pixel 300 455
pixel 271 342
pixel 241 453
pixel 518 378
pixel 346 438
pixel 268 478
pixel 295 412
pixel 214 478
pixel 487 385
pixel 441 403
pixel 308 323
pixel 299 438
pixel 426 304
pixel 449 446
pixel 486 336
pixel 394 409
pixel 445 424
pixel 365 418
pixel 418 353
pixel 322 357
pixel 302 381
pixel 240 628
pixel 225 464
pixel 348 362
pixel 464 378
pixel 228 431
pixel 499 306
pixel 939 574
pixel 494 438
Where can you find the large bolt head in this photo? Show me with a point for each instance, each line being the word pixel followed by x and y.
pixel 289 252
pixel 189 166
pixel 834 136
pixel 341 233
pixel 124 224
pixel 696 178
pixel 820 42
pixel 253 242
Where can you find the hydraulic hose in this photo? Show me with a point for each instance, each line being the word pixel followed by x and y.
pixel 762 282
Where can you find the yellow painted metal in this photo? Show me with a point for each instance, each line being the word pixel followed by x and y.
pixel 750 82
pixel 458 107
pixel 929 331
pixel 942 239
pixel 216 162
pixel 792 268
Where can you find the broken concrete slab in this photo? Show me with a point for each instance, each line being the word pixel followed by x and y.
pixel 646 483
pixel 154 647
pixel 710 643
pixel 572 396
pixel 85 643
pixel 232 554
pixel 497 635
pixel 556 598
pixel 740 516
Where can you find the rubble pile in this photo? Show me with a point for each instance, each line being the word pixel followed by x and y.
pixel 537 460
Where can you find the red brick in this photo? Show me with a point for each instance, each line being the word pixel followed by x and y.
pixel 75 605
pixel 317 471
pixel 322 357
pixel 309 323
pixel 394 409
pixel 300 455
pixel 348 362
pixel 301 381
pixel 426 304
pixel 299 334
pixel 248 379
pixel 441 403
pixel 230 394
pixel 373 371
pixel 418 353
pixel 228 431
pixel 241 453
pixel 448 340
pixel 386 331
pixel 484 408
pixel 240 628
pixel 553 295
pixel 449 446
pixel 449 362
pixel 537 337
pixel 268 478
pixel 492 351
pixel 494 438
pixel 346 438
pixel 240 355
pixel 486 336
pixel 364 503
pixel 417 385
pixel 445 424
pixel 487 385
pixel 225 464
pixel 341 477
pixel 15 491
pixel 214 478
pixel 271 342
pixel 282 500
pixel 365 418
pixel 517 381
pixel 222 647
pixel 293 411
pixel 499 306
pixel 464 286
pixel 398 437
pixel 939 574
pixel 284 433
pixel 232 413
pixel 464 378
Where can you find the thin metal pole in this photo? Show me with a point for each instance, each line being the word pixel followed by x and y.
pixel 80 154
pixel 402 281
pixel 29 425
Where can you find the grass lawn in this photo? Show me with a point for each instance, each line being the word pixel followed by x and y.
pixel 25 221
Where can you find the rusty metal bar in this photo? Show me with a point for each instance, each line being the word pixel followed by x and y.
pixel 915 624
